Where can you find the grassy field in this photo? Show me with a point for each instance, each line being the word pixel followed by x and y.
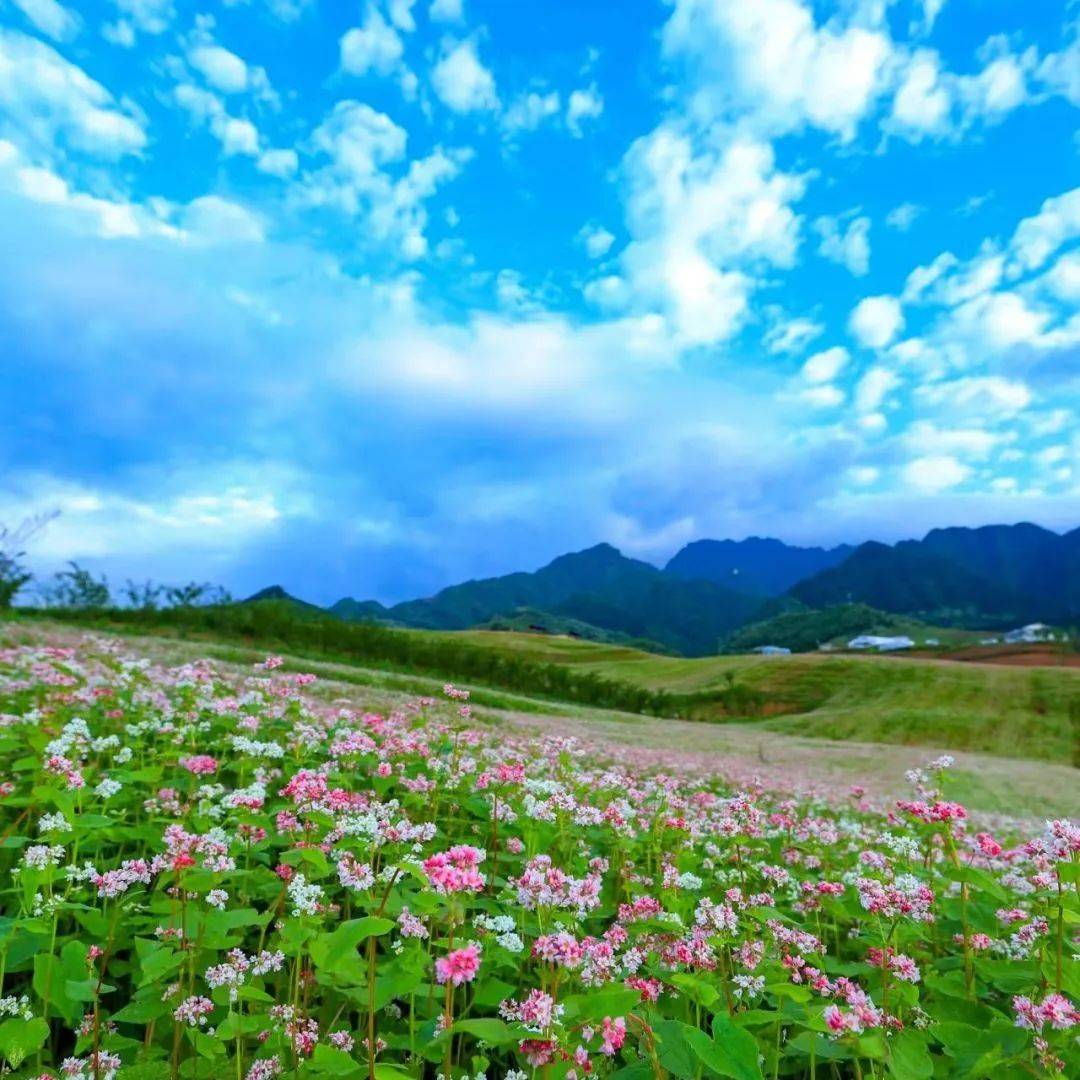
pixel 789 754
pixel 991 709
pixel 1033 712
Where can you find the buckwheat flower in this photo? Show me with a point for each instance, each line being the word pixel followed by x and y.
pixel 199 764
pixel 459 966
pixel 264 1069
pixel 193 1011
pixel 267 962
pixel 612 1035
pixel 42 856
pixel 342 1040
pixel 108 788
pixel 54 823
pixel 354 874
pixel 748 986
pixel 410 926
pixel 305 897
pixel 217 898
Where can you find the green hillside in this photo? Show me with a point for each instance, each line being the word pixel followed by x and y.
pixel 1010 711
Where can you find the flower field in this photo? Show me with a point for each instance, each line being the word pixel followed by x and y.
pixel 208 875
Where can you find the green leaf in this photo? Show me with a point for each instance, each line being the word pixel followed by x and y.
pixel 331 1060
pixel 487 1029
pixel 674 1049
pixel 19 1038
pixel 735 1051
pixel 329 950
pixel 600 1003
pixel 909 1056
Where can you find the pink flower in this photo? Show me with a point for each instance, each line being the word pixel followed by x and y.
pixel 459 966
pixel 612 1036
pixel 199 764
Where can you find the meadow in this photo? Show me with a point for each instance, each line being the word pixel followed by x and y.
pixel 218 869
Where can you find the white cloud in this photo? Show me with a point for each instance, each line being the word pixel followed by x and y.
pixel 583 105
pixel 873 388
pixel 214 220
pixel 84 212
pixel 461 81
pixel 922 104
pixel 699 223
pixel 935 473
pixel 926 438
pixel 222 69
pixel 978 395
pixel 236 135
pixel 791 335
pixel 361 143
pixel 875 321
pixel 902 217
pixel 279 163
pixel 150 16
pixel 824 366
pixel 769 60
pixel 446 11
pixel 529 110
pixel 849 247
pixel 1038 237
pixel 401 14
pixel 51 18
pixel 45 99
pixel 374 46
pixel 825 396
pixel 930 101
pixel 596 240
pixel 999 321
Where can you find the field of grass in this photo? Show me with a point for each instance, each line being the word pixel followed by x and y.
pixel 1012 712
pixel 1030 712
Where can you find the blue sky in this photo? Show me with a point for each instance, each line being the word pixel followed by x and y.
pixel 367 298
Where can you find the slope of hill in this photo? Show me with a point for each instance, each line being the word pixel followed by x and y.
pixel 805 628
pixel 909 580
pixel 599 586
pixel 1032 562
pixel 755 565
pixel 534 621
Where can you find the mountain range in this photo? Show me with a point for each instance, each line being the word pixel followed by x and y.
pixel 988 577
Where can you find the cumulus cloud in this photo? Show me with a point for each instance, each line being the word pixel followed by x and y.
pixel 461 80
pixel 771 59
pixel 824 366
pixel 934 473
pixel 587 104
pixel 51 18
pixel 848 245
pixel 48 102
pixel 361 145
pixel 596 240
pixel 446 11
pixel 374 46
pixel 875 321
pixel 699 222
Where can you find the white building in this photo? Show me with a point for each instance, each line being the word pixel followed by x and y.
pixel 1035 631
pixel 881 644
pixel 772 650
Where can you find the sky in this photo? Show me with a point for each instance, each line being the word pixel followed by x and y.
pixel 367 298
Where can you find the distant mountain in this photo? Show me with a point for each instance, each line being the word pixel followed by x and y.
pixel 276 592
pixel 359 610
pixel 1035 563
pixel 599 586
pixel 756 565
pixel 909 580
